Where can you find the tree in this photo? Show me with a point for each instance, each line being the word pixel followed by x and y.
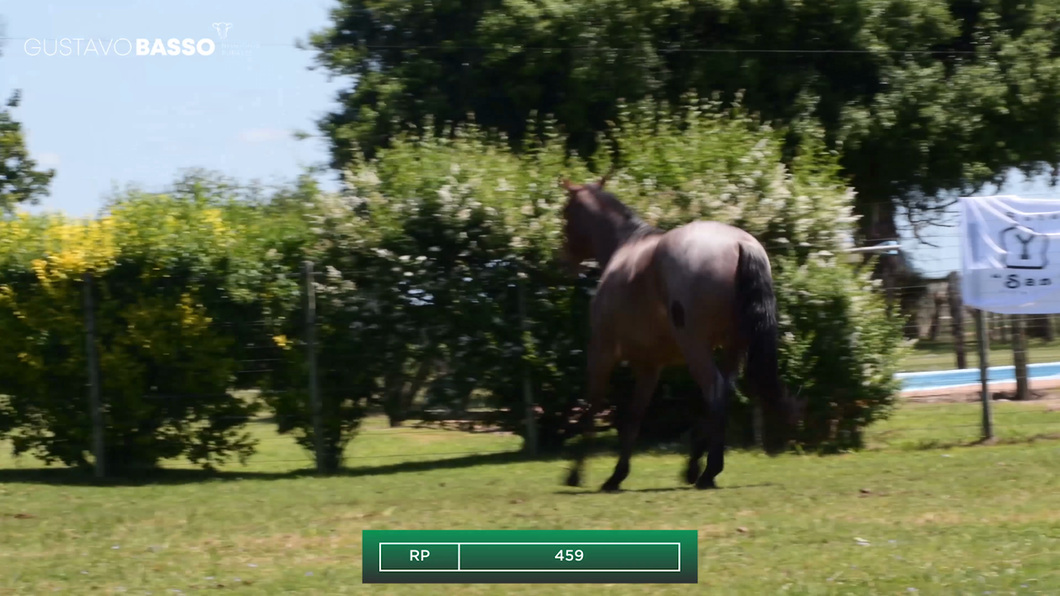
pixel 20 181
pixel 922 98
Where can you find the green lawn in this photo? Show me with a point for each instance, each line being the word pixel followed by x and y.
pixel 904 516
pixel 941 356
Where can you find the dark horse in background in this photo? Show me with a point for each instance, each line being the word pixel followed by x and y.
pixel 669 298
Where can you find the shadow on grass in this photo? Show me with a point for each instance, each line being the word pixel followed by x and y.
pixel 80 477
pixel 669 489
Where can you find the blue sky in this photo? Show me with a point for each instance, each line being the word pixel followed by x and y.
pixel 106 120
pixel 102 120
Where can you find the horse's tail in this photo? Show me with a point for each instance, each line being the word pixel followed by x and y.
pixel 758 321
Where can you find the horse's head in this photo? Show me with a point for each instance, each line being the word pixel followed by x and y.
pixel 782 418
pixel 579 215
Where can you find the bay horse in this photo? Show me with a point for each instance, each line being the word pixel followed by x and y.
pixel 671 298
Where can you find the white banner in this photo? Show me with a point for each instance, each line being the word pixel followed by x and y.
pixel 1010 254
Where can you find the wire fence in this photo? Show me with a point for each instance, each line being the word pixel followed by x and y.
pixel 943 401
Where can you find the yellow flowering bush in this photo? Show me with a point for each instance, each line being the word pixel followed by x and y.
pixel 170 326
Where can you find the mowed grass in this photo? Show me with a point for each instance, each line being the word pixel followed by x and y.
pixel 904 516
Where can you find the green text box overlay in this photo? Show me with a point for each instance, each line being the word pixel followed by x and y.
pixel 530 556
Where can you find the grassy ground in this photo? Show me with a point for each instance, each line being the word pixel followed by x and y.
pixel 941 356
pixel 905 516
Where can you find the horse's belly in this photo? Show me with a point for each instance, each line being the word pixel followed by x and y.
pixel 651 344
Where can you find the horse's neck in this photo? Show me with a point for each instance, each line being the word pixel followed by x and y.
pixel 612 235
pixel 606 239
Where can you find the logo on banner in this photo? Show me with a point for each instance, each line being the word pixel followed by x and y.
pixel 1024 248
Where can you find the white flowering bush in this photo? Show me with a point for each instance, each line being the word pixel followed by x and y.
pixel 839 347
pixel 427 253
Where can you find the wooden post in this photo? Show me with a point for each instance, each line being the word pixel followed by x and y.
pixel 95 405
pixel 1019 356
pixel 311 354
pixel 528 396
pixel 984 365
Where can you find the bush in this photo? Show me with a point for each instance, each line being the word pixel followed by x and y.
pixel 839 347
pixel 173 317
pixel 430 250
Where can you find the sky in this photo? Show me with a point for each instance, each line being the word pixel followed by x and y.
pixel 106 121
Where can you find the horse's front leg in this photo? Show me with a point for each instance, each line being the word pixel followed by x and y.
pixel 601 359
pixel 647 377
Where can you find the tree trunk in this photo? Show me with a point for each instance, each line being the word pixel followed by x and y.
pixel 957 317
pixel 392 398
pixel 412 388
pixel 1019 356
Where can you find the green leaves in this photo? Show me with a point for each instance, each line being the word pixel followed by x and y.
pixel 182 285
pixel 839 348
pixel 919 97
pixel 20 180
pixel 424 266
pixel 439 231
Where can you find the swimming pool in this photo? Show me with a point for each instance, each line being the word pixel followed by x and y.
pixel 944 379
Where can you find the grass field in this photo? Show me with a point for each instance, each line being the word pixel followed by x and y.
pixel 940 356
pixel 915 513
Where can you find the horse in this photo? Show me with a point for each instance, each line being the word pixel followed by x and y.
pixel 668 298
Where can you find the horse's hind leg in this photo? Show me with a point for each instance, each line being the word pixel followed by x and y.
pixel 709 430
pixel 601 362
pixel 647 379
pixel 714 441
pixel 699 440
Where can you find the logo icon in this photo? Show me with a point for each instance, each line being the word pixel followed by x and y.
pixel 222 29
pixel 1024 248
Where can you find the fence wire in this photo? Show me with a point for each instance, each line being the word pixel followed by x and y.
pixel 928 414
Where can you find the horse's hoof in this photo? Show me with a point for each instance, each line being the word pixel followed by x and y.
pixel 574 479
pixel 610 487
pixel 692 474
pixel 706 483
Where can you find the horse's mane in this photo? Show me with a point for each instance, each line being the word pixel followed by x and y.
pixel 633 226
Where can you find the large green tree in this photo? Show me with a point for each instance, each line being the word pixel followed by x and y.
pixel 922 98
pixel 20 180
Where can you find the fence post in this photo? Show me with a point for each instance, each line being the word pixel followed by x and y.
pixel 1019 356
pixel 95 406
pixel 311 355
pixel 983 335
pixel 528 396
